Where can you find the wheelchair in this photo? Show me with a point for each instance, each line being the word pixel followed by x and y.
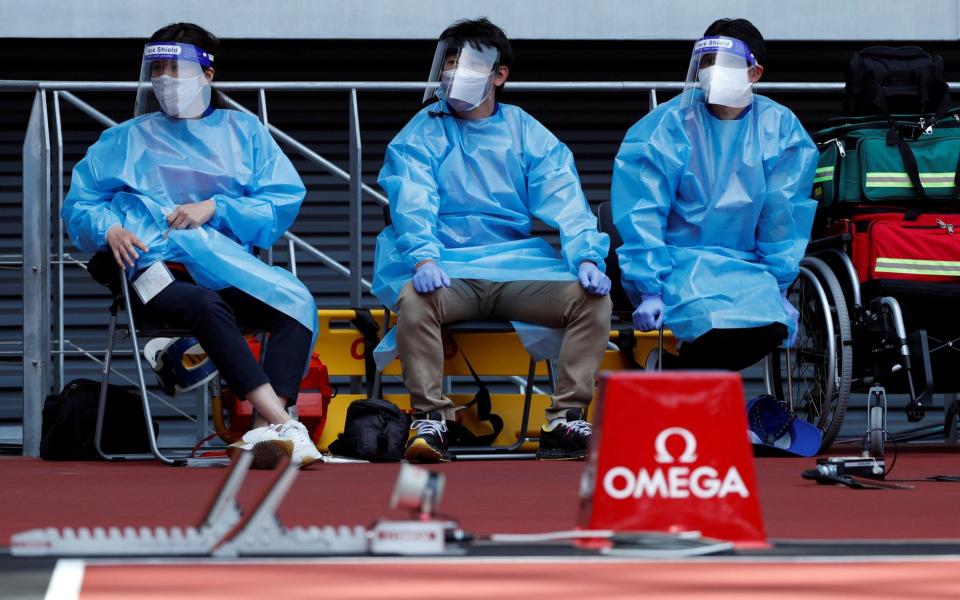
pixel 814 377
pixel 878 337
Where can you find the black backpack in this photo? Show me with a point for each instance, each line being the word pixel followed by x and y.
pixel 884 81
pixel 70 422
pixel 375 430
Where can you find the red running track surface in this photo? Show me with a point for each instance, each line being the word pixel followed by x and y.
pixel 417 580
pixel 487 497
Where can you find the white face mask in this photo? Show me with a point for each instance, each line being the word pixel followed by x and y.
pixel 727 86
pixel 185 98
pixel 465 90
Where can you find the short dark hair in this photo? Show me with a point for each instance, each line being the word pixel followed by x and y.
pixel 480 32
pixel 743 30
pixel 189 34
pixel 194 35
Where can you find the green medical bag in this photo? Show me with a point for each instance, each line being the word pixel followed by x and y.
pixel 863 161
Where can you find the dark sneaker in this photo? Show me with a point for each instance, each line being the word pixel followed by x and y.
pixel 566 441
pixel 429 443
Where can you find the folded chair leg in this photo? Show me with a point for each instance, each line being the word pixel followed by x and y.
pixel 143 384
pixel 203 409
pixel 527 403
pixel 104 384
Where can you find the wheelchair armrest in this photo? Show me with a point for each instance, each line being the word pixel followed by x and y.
pixel 826 243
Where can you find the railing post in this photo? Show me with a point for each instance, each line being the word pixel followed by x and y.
pixel 36 272
pixel 61 357
pixel 262 113
pixel 292 256
pixel 653 98
pixel 356 207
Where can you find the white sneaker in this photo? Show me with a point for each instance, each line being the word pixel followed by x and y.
pixel 261 434
pixel 292 440
pixel 251 439
pixel 304 449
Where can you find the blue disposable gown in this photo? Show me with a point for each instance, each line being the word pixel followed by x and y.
pixel 715 215
pixel 465 194
pixel 141 169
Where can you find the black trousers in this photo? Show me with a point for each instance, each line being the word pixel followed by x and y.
pixel 729 349
pixel 216 319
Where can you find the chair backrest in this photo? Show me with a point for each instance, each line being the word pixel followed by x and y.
pixel 621 303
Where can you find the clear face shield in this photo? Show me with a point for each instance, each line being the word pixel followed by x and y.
pixel 172 79
pixel 719 73
pixel 464 73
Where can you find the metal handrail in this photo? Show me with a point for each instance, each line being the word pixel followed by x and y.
pixel 306 247
pixel 307 152
pixel 412 86
pixel 399 86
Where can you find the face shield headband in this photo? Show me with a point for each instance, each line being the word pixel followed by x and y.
pixel 176 75
pixel 724 45
pixel 176 51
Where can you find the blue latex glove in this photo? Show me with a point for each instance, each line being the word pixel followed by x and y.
pixel 430 277
pixel 649 315
pixel 794 315
pixel 593 279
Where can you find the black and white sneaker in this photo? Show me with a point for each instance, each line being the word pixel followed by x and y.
pixel 429 443
pixel 566 440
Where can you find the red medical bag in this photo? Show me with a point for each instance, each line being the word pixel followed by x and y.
pixel 312 402
pixel 889 245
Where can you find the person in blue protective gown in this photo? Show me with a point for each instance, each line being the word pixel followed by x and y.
pixel 181 195
pixel 466 178
pixel 711 197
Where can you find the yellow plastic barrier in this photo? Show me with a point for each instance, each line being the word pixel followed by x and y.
pixel 341 347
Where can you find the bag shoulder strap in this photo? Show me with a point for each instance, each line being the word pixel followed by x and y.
pixel 368 328
pixel 484 410
pixel 956 181
pixel 909 160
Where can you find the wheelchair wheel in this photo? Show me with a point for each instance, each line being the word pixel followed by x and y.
pixel 951 422
pixel 815 374
pixel 876 433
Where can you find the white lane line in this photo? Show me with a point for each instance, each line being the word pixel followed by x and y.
pixel 66 580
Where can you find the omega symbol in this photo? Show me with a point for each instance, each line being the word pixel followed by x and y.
pixel 689 453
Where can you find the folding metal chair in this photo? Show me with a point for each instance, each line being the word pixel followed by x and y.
pixel 508 450
pixel 104 270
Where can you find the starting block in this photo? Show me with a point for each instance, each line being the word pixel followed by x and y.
pixel 222 515
pixel 263 534
pixel 225 531
pixel 669 453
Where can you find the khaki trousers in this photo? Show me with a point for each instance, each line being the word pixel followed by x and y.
pixel 557 304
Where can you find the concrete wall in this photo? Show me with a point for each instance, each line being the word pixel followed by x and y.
pixel 522 19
